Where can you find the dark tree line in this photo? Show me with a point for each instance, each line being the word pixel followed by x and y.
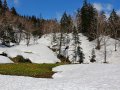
pixel 91 20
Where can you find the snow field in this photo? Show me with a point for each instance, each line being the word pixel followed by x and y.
pixel 69 77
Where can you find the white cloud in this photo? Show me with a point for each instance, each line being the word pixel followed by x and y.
pixel 108 7
pixel 105 7
pixel 16 2
pixel 98 6
pixel 118 12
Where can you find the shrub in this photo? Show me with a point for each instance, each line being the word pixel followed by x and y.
pixel 93 59
pixel 93 56
pixel 20 59
pixel 63 59
pixel 4 54
pixel 80 55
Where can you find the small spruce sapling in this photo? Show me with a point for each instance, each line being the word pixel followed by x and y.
pixel 80 55
pixel 93 56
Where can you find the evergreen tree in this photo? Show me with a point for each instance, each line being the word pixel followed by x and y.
pixel 93 56
pixel 66 26
pixel 7 33
pixel 113 16
pixel 66 23
pixel 75 44
pixel 0 7
pixel 5 6
pixel 13 11
pixel 88 18
pixel 63 22
pixel 0 4
pixel 85 17
pixel 70 24
pixel 78 16
pixel 75 35
pixel 80 55
pixel 114 24
pixel 114 19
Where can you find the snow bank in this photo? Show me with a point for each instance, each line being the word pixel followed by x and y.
pixel 98 76
pixel 5 60
pixel 36 53
pixel 69 77
pixel 46 40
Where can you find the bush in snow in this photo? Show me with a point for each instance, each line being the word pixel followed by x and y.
pixel 20 59
pixel 63 59
pixel 93 56
pixel 80 55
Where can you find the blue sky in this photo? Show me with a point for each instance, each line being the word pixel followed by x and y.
pixel 55 8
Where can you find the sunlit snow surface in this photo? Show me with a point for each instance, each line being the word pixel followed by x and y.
pixel 69 77
pixel 97 76
pixel 112 56
pixel 5 60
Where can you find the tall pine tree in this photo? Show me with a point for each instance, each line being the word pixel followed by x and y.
pixel 66 23
pixel 1 7
pixel 78 55
pixel 66 26
pixel 13 11
pixel 5 6
pixel 75 43
pixel 88 19
pixel 114 24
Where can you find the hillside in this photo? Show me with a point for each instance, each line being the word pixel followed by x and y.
pixel 40 53
pixel 87 46
pixel 53 45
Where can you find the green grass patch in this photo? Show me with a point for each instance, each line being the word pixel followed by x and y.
pixel 28 69
pixel 28 52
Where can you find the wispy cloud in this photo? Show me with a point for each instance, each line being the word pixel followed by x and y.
pixel 118 12
pixel 104 7
pixel 16 2
pixel 98 6
pixel 108 7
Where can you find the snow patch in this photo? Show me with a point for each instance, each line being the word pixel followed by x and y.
pixel 5 60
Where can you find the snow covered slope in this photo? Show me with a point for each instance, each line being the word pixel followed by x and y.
pixel 4 60
pixel 87 47
pixel 69 77
pixel 38 53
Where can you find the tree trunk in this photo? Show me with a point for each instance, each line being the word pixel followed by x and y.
pixel 98 47
pixel 60 43
pixel 105 52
